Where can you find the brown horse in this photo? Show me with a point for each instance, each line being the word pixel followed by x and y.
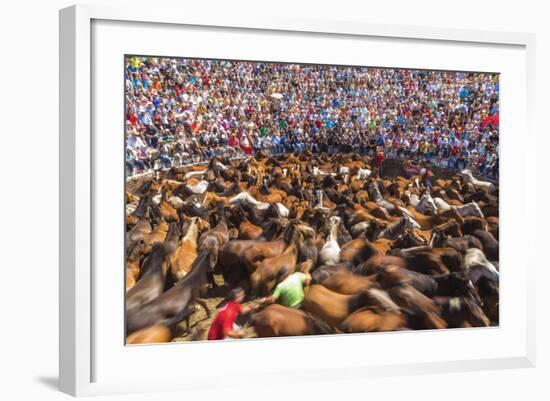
pixel 490 244
pixel 157 236
pixel 213 240
pixel 277 320
pixel 185 254
pixel 378 262
pixel 428 260
pixel 462 312
pixel 153 272
pixel 418 305
pixel 151 282
pixel 358 250
pixel 373 319
pixel 133 262
pixel 331 306
pixel 256 252
pixel 155 334
pixel 264 278
pixel 175 304
pixel 347 283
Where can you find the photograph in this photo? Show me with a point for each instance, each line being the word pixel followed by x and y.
pixel 274 199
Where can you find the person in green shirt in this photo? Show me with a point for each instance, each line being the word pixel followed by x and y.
pixel 291 291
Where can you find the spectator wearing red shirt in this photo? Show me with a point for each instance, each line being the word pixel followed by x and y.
pixel 233 141
pixel 379 158
pixel 246 145
pixel 132 118
pixel 224 325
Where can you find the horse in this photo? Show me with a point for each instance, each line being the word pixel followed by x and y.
pixel 378 262
pixel 278 320
pixel 151 283
pixel 461 312
pixel 357 250
pixel 478 184
pixel 392 276
pixel 475 258
pixel 216 237
pixel 374 319
pixel 185 254
pixel 426 205
pixel 155 334
pixel 418 305
pixel 396 229
pixel 490 244
pixel 376 196
pixel 461 244
pixel 347 283
pixel 173 305
pixel 264 278
pixel 331 306
pixel 134 254
pixel 425 259
pixel 330 253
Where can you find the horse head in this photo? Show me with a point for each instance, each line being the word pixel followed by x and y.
pixel 426 204
pixel 410 222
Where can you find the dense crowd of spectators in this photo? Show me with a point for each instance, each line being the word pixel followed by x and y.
pixel 188 110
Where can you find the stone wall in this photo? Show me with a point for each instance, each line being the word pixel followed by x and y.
pixel 394 167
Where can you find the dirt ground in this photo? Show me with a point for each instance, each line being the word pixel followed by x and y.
pixel 199 322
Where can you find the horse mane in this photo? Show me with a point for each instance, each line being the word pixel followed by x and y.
pixel 197 275
pixel 131 247
pixel 141 208
pixel 172 237
pixel 158 251
pixel 144 189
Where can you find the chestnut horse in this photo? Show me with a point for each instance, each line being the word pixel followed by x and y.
pixel 278 320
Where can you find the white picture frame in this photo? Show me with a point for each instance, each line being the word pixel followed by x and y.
pixel 78 317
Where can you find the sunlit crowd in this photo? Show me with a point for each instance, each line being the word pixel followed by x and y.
pixel 180 111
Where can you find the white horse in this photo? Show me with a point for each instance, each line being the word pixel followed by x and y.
pixel 470 209
pixel 222 166
pixel 363 174
pixel 442 206
pixel 282 210
pixel 176 201
pixel 476 258
pixel 131 208
pixel 246 198
pixel 343 170
pixel 469 177
pixel 198 188
pixel 317 171
pixel 426 204
pixel 192 174
pixel 413 199
pixel 434 205
pixel 359 228
pixel 320 198
pixel 330 253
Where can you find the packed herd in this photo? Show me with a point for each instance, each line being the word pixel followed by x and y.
pixel 383 253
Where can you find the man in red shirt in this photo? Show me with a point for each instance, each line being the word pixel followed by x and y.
pixel 379 158
pixel 224 325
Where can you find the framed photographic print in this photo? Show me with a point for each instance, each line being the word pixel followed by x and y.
pixel 239 188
